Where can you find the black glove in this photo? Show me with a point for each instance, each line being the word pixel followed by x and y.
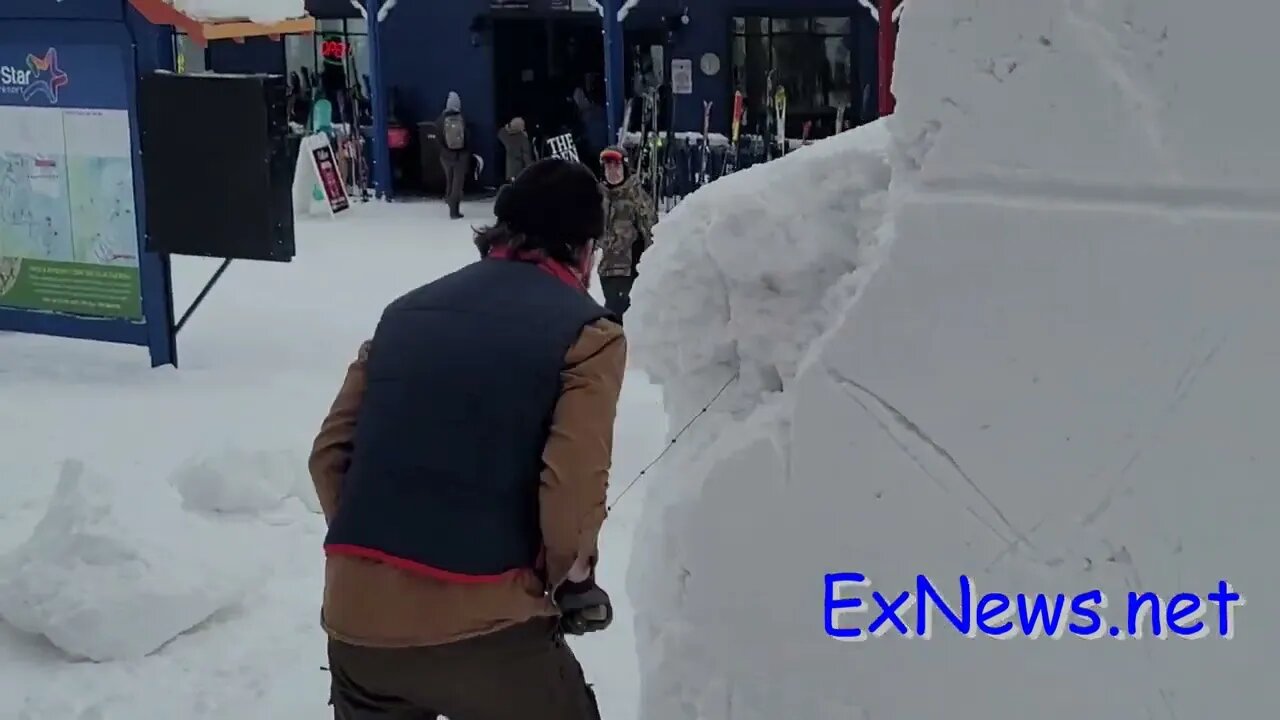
pixel 584 608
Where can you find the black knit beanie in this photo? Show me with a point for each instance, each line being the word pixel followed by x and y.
pixel 555 204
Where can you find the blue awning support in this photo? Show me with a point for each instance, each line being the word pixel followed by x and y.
pixel 381 108
pixel 614 65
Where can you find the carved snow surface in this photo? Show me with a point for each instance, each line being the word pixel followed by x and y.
pixel 1051 369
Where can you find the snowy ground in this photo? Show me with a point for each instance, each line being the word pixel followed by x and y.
pixel 261 361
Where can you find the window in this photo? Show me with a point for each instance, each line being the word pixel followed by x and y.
pixel 342 43
pixel 299 53
pixel 188 57
pixel 810 56
pixel 332 63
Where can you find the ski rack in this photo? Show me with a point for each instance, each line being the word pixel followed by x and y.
pixel 201 31
pixel 683 176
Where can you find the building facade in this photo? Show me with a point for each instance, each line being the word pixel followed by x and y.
pixel 528 57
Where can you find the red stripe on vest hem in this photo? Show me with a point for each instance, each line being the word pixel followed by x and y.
pixel 418 568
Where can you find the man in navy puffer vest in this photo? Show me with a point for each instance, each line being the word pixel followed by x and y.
pixel 463 471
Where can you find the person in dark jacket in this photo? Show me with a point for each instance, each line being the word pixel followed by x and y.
pixel 462 470
pixel 595 127
pixel 455 153
pixel 515 140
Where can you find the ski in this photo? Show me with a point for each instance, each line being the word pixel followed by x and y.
pixel 645 158
pixel 780 108
pixel 651 147
pixel 731 158
pixel 770 116
pixel 626 124
pixel 703 177
pixel 669 160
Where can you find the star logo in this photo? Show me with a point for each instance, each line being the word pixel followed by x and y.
pixel 48 77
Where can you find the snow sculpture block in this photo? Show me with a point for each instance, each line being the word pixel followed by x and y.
pixel 117 569
pixel 1060 377
pixel 236 480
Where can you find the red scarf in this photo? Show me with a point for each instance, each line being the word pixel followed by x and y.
pixel 556 268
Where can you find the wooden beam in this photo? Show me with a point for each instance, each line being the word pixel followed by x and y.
pixel 226 30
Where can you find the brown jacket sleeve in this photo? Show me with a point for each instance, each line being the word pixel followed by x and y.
pixel 331 452
pixel 579 450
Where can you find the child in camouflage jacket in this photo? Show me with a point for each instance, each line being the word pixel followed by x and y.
pixel 629 220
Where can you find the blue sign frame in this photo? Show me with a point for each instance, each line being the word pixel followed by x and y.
pixel 84 27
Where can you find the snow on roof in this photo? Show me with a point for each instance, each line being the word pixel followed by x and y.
pixel 258 11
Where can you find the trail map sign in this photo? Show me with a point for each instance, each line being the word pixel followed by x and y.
pixel 68 222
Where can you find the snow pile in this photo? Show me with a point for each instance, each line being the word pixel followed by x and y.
pixel 1059 377
pixel 116 569
pixel 743 277
pixel 236 480
pixel 745 273
pixel 259 11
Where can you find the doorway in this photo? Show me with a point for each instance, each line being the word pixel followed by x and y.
pixel 540 63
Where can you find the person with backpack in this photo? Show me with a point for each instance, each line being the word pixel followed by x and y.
pixel 628 231
pixel 462 471
pixel 454 153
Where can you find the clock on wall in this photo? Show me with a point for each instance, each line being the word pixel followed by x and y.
pixel 710 64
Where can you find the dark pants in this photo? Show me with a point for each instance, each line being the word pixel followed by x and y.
pixel 524 673
pixel 617 294
pixel 455 180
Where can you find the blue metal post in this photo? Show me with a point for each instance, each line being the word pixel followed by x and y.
pixel 614 66
pixel 152 51
pixel 381 108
